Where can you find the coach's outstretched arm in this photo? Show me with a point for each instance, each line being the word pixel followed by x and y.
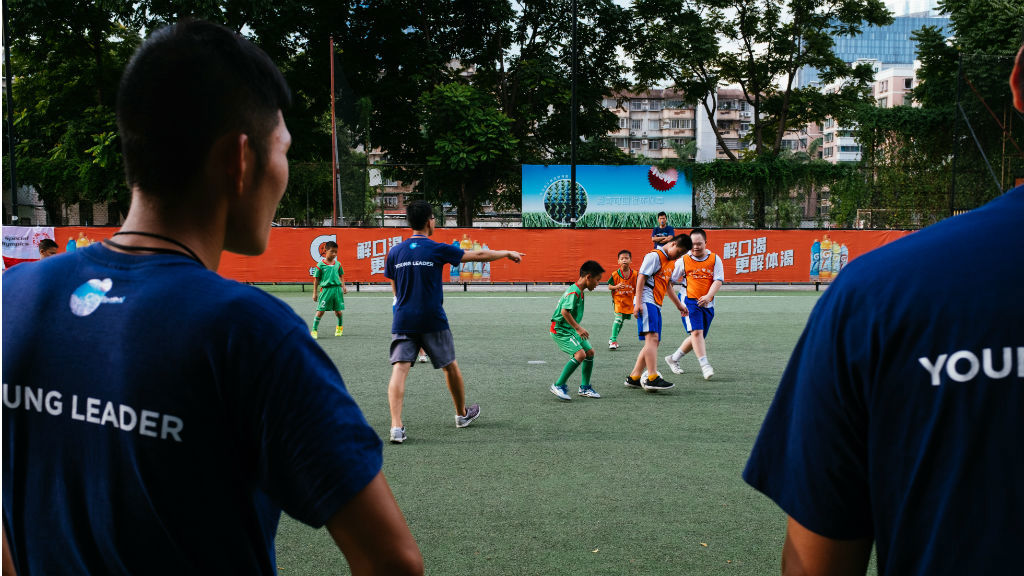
pixel 371 531
pixel 491 255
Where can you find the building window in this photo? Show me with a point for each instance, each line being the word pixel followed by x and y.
pixel 656 105
pixel 725 125
pixel 849 148
pixel 610 103
pixel 846 133
pixel 635 105
pixel 908 83
pixel 829 122
pixel 622 122
pixel 634 144
pixel 389 201
pixel 636 124
pixel 680 124
pixel 829 136
pixel 620 142
pixel 883 102
pixel 673 104
pixel 654 124
pixel 885 86
pixel 654 144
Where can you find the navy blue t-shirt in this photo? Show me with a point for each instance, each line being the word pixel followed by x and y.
pixel 415 266
pixel 158 418
pixel 661 232
pixel 901 413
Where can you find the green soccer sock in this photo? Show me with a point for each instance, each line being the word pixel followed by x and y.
pixel 570 367
pixel 616 326
pixel 588 368
pixel 339 320
pixel 316 322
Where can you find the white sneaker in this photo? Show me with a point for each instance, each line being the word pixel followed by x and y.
pixel 423 358
pixel 708 371
pixel 613 345
pixel 673 364
pixel 398 435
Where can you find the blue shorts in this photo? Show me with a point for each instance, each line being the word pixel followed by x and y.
pixel 699 317
pixel 649 320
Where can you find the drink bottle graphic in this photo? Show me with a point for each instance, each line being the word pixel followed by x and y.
pixel 815 259
pixel 453 274
pixel 466 272
pixel 837 252
pixel 844 257
pixel 71 247
pixel 478 267
pixel 826 258
pixel 486 274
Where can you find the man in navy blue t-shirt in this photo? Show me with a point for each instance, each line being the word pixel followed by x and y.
pixel 414 268
pixel 663 233
pixel 899 418
pixel 174 414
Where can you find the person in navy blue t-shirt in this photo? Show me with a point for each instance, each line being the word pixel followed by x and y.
pixel 414 268
pixel 663 233
pixel 185 411
pixel 898 420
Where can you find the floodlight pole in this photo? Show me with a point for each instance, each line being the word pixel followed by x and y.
pixel 335 175
pixel 572 124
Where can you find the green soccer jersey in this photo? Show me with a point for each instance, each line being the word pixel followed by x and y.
pixel 329 275
pixel 571 300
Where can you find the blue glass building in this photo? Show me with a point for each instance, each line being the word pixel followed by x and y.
pixel 889 45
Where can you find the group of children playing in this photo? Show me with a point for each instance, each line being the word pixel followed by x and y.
pixel 684 259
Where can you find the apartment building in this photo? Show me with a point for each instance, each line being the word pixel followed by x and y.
pixel 649 122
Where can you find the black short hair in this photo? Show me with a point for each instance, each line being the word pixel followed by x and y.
pixel 699 231
pixel 621 252
pixel 662 214
pixel 45 244
pixel 330 244
pixel 186 86
pixel 591 268
pixel 418 213
pixel 683 240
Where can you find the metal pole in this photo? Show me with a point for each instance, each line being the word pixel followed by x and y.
pixel 956 109
pixel 572 124
pixel 334 148
pixel 10 117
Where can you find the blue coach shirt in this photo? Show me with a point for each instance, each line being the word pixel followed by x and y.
pixel 415 266
pixel 660 232
pixel 157 419
pixel 901 413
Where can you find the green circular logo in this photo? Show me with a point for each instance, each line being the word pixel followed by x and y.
pixel 558 201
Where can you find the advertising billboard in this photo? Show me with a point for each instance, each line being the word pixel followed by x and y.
pixel 606 196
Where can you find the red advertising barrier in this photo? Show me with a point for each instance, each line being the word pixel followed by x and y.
pixel 552 255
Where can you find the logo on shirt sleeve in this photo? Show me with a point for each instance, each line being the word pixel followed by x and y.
pixel 88 297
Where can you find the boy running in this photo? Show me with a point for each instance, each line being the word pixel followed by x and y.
pixel 622 285
pixel 652 284
pixel 329 288
pixel 702 272
pixel 572 338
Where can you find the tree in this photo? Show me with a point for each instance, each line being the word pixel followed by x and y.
pixel 469 145
pixel 66 59
pixel 699 45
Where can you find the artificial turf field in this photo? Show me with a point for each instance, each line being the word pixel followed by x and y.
pixel 632 483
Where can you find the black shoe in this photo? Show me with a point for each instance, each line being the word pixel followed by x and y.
pixel 657 384
pixel 632 382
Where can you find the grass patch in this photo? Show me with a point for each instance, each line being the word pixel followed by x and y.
pixel 632 483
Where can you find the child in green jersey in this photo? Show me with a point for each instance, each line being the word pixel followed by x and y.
pixel 329 288
pixel 572 338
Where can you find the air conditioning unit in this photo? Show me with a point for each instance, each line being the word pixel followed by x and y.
pixel 644 142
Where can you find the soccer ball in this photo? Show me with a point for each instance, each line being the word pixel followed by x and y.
pixel 643 376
